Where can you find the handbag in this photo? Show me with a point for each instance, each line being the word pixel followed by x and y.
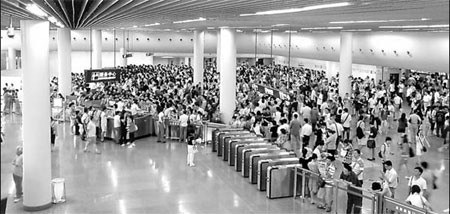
pixel 371 144
pixel 321 182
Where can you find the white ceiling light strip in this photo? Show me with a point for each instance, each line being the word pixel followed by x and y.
pixel 295 10
pixel 190 20
pixel 154 24
pixel 321 28
pixel 34 9
pixel 358 30
pixel 379 21
pixel 415 26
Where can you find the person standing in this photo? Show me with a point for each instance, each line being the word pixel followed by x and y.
pixel 131 130
pixel 328 190
pixel 295 133
pixel 191 151
pixel 91 136
pixel 184 118
pixel 358 165
pixel 416 199
pixel 306 132
pixel 390 176
pixel 312 181
pixel 346 119
pixel 371 142
pixel 354 202
pixel 414 123
pixel 103 124
pixel 117 127
pixel 18 173
pixel 161 127
pixel 417 179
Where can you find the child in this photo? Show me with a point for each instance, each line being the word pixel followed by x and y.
pixel 18 173
pixel 191 151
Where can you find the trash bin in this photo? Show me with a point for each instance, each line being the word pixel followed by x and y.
pixel 58 190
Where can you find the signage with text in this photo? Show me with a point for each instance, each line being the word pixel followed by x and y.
pixel 102 75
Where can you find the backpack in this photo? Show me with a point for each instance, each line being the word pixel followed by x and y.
pixel 359 131
pixel 440 117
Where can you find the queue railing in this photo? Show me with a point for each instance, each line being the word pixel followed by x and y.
pixel 377 203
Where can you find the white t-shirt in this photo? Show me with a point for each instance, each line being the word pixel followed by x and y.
pixel 184 120
pixel 422 183
pixel 346 119
pixel 416 200
pixel 116 121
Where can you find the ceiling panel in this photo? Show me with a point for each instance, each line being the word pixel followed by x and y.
pixel 124 14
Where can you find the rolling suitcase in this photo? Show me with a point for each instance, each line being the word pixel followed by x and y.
pixel 249 152
pixel 232 147
pixel 263 166
pixel 215 136
pixel 254 159
pixel 238 153
pixel 280 181
pixel 228 140
pixel 222 136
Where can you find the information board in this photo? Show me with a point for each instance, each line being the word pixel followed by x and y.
pixel 102 75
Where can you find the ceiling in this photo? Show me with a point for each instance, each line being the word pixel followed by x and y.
pixel 135 14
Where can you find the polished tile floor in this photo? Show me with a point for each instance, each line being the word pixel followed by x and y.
pixel 154 178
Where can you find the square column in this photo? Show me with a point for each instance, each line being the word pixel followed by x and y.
pixel 227 73
pixel 96 49
pixel 36 115
pixel 345 68
pixel 64 61
pixel 199 52
pixel 11 63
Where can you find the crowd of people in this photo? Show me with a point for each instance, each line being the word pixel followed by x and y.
pixel 312 120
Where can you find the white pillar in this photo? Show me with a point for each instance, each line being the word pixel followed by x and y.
pixel 199 52
pixel 218 51
pixel 345 70
pixel 186 61
pixel 64 61
pixel 227 73
pixel 36 115
pixel 96 49
pixel 123 59
pixel 150 59
pixel 11 58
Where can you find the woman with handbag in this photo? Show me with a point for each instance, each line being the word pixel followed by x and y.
pixel 371 142
pixel 416 199
pixel 421 145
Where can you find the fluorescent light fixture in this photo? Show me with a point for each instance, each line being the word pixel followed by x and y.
pixel 210 28
pixel 52 19
pixel 34 9
pixel 135 26
pixel 265 31
pixel 379 21
pixel 361 30
pixel 416 26
pixel 154 24
pixel 321 28
pixel 239 31
pixel 290 31
pixel 411 29
pixel 190 20
pixel 167 29
pixel 295 10
pixel 280 25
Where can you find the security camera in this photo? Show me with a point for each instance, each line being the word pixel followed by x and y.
pixel 10 32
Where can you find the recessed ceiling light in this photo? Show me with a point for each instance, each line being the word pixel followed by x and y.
pixel 295 10
pixel 416 26
pixel 190 20
pixel 378 21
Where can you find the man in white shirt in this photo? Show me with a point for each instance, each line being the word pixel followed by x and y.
pixel 117 126
pixel 346 118
pixel 184 118
pixel 358 165
pixel 306 132
pixel 161 128
pixel 390 176
pixel 306 112
pixel 418 180
pixel 120 105
pixel 134 109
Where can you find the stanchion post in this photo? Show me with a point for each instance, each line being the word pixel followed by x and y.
pixel 336 189
pixel 373 204
pixel 295 182
pixel 303 185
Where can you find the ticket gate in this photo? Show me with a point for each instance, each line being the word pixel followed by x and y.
pixel 228 140
pixel 254 159
pixel 232 147
pixel 280 181
pixel 240 148
pixel 215 135
pixel 249 152
pixel 222 136
pixel 263 166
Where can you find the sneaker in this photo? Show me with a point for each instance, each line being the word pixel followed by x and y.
pixel 128 143
pixel 192 165
pixel 321 207
pixel 122 145
pixel 17 199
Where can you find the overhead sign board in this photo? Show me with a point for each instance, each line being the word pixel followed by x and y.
pixel 102 75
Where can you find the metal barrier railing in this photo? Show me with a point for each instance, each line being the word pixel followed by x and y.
pixel 378 203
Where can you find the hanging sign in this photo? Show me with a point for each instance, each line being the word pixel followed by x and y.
pixel 102 75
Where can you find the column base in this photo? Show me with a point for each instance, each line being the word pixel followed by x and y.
pixel 38 208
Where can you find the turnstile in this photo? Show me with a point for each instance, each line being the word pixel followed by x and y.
pixel 232 147
pixel 222 136
pixel 280 181
pixel 229 139
pixel 246 153
pixel 263 166
pixel 254 159
pixel 215 135
pixel 240 148
pixel 227 145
